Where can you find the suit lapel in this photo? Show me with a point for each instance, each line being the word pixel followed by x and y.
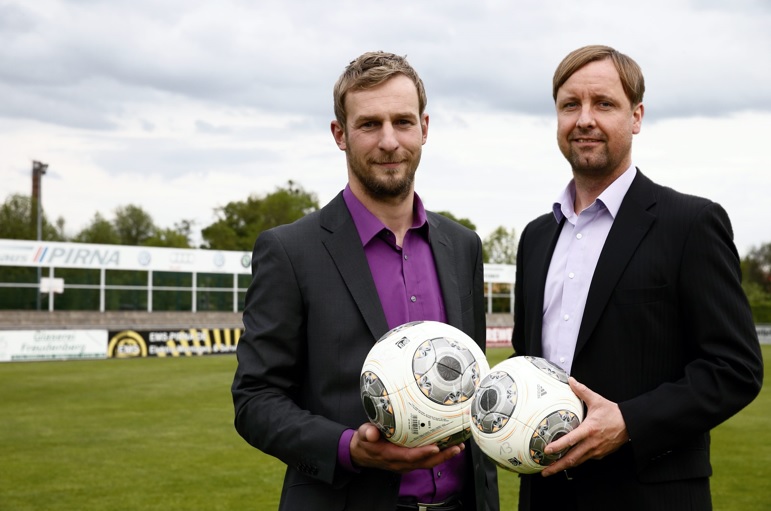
pixel 545 242
pixel 345 249
pixel 444 257
pixel 629 228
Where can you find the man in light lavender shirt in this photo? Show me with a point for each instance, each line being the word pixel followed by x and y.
pixel 328 286
pixel 635 290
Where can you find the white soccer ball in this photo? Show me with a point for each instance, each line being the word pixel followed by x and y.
pixel 523 404
pixel 418 381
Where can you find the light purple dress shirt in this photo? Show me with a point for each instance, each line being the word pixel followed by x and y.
pixel 573 263
pixel 408 287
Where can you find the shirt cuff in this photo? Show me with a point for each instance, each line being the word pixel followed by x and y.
pixel 344 451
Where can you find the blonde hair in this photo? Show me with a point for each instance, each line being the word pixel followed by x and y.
pixel 630 73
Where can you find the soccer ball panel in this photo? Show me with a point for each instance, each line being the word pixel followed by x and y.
pixel 494 402
pixel 429 372
pixel 377 403
pixel 446 371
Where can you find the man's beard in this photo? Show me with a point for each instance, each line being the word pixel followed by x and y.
pixel 597 165
pixel 602 162
pixel 384 185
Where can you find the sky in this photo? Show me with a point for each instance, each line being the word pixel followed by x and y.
pixel 182 106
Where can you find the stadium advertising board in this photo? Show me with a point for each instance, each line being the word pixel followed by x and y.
pixel 172 343
pixel 30 345
pixel 499 336
pixel 121 257
pixel 764 333
pixel 503 273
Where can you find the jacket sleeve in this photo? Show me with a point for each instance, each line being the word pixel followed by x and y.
pixel 272 355
pixel 724 366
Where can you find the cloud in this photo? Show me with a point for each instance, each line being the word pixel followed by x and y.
pixel 181 106
pixel 74 62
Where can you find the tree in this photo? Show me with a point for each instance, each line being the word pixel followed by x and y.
pixel 756 267
pixel 500 247
pixel 463 221
pixel 756 281
pixel 133 225
pixel 100 230
pixel 178 236
pixel 240 222
pixel 19 222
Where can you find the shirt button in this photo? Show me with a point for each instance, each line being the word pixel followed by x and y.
pixel 571 274
pixel 579 236
pixel 406 257
pixel 439 474
pixel 566 317
pixel 562 359
pixel 413 298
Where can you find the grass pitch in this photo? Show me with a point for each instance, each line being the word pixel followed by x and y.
pixel 157 434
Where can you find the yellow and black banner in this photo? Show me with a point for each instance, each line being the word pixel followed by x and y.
pixel 172 343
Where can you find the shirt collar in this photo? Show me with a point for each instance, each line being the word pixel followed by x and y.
pixel 611 197
pixel 369 226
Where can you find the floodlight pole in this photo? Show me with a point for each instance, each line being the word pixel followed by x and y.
pixel 38 170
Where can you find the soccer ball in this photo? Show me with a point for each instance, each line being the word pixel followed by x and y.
pixel 418 381
pixel 523 404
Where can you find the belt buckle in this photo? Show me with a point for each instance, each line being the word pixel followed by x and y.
pixel 447 504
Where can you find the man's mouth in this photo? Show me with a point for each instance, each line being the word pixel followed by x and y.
pixel 389 164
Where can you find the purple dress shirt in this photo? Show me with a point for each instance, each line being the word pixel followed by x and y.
pixel 408 287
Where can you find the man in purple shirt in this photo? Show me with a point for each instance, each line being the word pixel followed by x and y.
pixel 328 286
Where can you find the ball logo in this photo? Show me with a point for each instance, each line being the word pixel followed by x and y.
pixel 144 258
pixel 127 344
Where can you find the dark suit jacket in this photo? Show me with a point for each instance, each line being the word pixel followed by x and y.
pixel 311 315
pixel 667 332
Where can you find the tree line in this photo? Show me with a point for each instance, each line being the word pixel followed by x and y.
pixel 235 227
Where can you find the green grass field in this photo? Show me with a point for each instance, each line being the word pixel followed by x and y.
pixel 157 434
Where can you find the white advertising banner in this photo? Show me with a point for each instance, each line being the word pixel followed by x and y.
pixel 122 257
pixel 503 273
pixel 499 337
pixel 30 345
pixel 764 333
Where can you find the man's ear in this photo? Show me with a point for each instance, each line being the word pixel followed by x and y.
pixel 338 132
pixel 637 117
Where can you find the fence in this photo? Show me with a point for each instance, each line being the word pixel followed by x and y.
pixel 45 275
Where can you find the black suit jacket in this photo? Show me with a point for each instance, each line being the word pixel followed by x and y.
pixel 667 332
pixel 311 315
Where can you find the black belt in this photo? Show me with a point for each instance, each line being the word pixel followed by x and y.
pixel 451 504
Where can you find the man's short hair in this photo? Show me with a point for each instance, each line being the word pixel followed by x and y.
pixel 372 69
pixel 630 73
